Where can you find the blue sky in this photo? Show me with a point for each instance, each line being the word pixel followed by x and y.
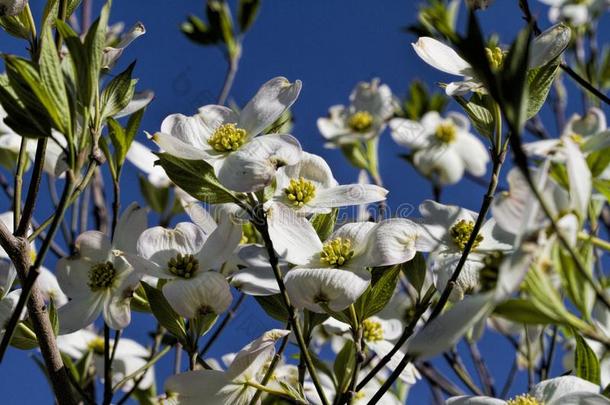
pixel 330 46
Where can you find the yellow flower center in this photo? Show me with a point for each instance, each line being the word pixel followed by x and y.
pixel 495 56
pixel 360 121
pixel 337 252
pixel 526 399
pixel 372 331
pixel 227 138
pixel 577 138
pixel 101 276
pixel 460 233
pixel 248 234
pixel 446 132
pixel 183 265
pixel 300 191
pixel 96 346
pixel 359 395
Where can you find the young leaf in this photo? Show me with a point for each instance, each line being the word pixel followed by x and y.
pixel 157 198
pixel 539 81
pixel 196 177
pixel 344 365
pixel 246 13
pixel 164 313
pixel 380 292
pixel 273 305
pixel 324 224
pixel 119 92
pixel 415 271
pixel 585 361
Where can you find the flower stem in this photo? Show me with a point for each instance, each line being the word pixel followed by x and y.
pixel 107 367
pixel 260 222
pixel 600 243
pixel 21 163
pixel 233 64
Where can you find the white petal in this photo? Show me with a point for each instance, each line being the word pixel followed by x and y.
pixel 555 388
pixel 294 238
pixel 338 288
pixel 462 88
pixel 473 153
pixel 208 289
pixel 410 134
pixel 580 178
pixel 549 45
pixel 592 123
pixel 195 385
pixel 77 314
pixel 448 328
pixel 213 116
pixel 93 245
pixel 189 130
pixel 271 100
pixel 391 242
pixel 253 166
pixel 159 244
pixel 129 228
pixel 143 158
pixel 441 57
pixel 117 311
pixel 176 147
pixel 347 195
pixel 441 163
pixel 470 400
pixel 313 168
pixel 256 281
pixel 220 244
pixel 373 97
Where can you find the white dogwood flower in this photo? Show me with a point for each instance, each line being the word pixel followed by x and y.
pixel 228 140
pixel 371 105
pixel 545 48
pixel 576 12
pixel 99 278
pixel 130 356
pixel 186 257
pixel 446 231
pixel 334 272
pixel 230 386
pixel 309 187
pixel 443 148
pixel 8 304
pixel 555 391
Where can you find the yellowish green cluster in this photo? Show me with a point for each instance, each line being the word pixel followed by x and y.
pixel 372 331
pixel 227 138
pixel 248 234
pixel 101 276
pixel 360 121
pixel 446 132
pixel 300 191
pixel 526 399
pixel 495 56
pixel 337 251
pixel 183 265
pixel 96 345
pixel 460 234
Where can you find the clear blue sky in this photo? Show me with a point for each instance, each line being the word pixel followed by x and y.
pixel 329 45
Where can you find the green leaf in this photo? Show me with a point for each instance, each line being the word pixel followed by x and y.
pixel 478 110
pixel 221 22
pixel 379 293
pixel 324 224
pixel 53 318
pixel 197 31
pixel 24 337
pixel 415 270
pixel 202 324
pixel 53 81
pixel 356 155
pixel 79 58
pixel 603 186
pixel 524 312
pixel 539 81
pixel 247 10
pixel 598 161
pixel 585 361
pixel 577 287
pixel 196 177
pixel 15 27
pixel 164 313
pixel 119 92
pixel 95 42
pixel 273 305
pixel 344 365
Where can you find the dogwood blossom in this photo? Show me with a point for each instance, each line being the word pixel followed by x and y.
pixel 228 140
pixel 447 230
pixel 443 148
pixel 129 357
pixel 575 12
pixel 186 257
pixel 334 272
pixel 230 386
pixel 371 105
pixel 545 48
pixel 99 278
pixel 309 187
pixel 559 390
pixel 144 159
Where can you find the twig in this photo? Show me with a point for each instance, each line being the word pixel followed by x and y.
pixel 482 370
pixel 456 364
pixel 229 79
pixel 509 379
pixel 434 377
